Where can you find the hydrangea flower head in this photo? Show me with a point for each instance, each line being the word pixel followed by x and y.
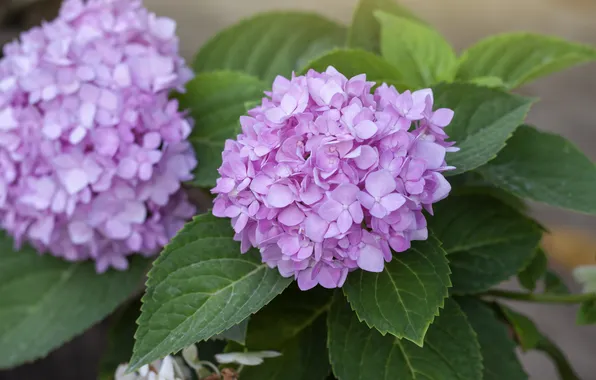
pixel 327 177
pixel 92 151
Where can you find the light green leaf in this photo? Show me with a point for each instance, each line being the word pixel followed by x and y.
pixel 270 44
pixel 587 313
pixel 484 119
pixel 530 275
pixel 496 343
pixel 45 301
pixel 354 62
pixel 199 287
pixel 519 58
pixel 216 101
pixel 486 241
pixel 545 168
pixel 404 299
pixel 491 82
pixel 293 324
pixel 528 335
pixel 451 350
pixel 422 55
pixel 365 31
pixel 120 339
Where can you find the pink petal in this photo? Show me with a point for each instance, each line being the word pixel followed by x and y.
pixel 368 157
pixel 330 210
pixel 431 152
pixel 346 193
pixel 280 196
pixel 344 222
pixel 366 129
pixel 305 280
pixel 393 201
pixel 378 211
pixel 291 216
pixel 240 223
pixel 329 277
pixel 371 259
pixel 80 232
pixel 443 188
pixel 260 184
pixel 366 199
pixel 315 228
pixel 356 212
pixel 442 117
pixel 380 183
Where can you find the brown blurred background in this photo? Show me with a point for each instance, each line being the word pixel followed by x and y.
pixel 567 101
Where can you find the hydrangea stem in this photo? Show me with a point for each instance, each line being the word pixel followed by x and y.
pixel 543 298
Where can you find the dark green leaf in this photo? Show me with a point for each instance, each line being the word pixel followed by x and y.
pixel 565 371
pixel 519 58
pixel 45 301
pixel 492 82
pixel 270 44
pixel 496 343
pixel 486 241
pixel 484 119
pixel 354 62
pixel 545 168
pixel 293 324
pixel 421 54
pixel 554 284
pixel 451 350
pixel 365 31
pixel 526 331
pixel 199 287
pixel 587 313
pixel 236 333
pixel 473 183
pixel 404 299
pixel 216 101
pixel 120 339
pixel 530 275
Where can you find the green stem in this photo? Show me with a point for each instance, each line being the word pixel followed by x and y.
pixel 543 298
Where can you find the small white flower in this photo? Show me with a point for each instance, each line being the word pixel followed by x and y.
pixel 166 369
pixel 246 358
pixel 586 276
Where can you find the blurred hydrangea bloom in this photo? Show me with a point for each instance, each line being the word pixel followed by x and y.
pixel 327 177
pixel 169 368
pixel 92 151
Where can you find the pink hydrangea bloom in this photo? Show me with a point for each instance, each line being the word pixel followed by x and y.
pixel 92 151
pixel 327 177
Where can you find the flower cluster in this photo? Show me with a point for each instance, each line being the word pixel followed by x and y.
pixel 327 177
pixel 92 151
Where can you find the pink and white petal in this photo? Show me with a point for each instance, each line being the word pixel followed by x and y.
pixel 330 210
pixel 368 157
pixel 315 228
pixel 393 201
pixel 306 280
pixel 240 223
pixel 366 200
pixel 371 259
pixel 442 117
pixel 280 196
pixel 378 211
pixel 346 193
pixel 431 152
pixel 291 216
pixel 344 222
pixel 356 212
pixel 380 183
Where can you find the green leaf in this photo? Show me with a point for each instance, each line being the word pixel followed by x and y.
pixel 422 55
pixel 270 44
pixel 587 313
pixel 486 241
pixel 293 324
pixel 484 119
pixel 530 275
pixel 473 183
pixel 236 333
pixel 216 101
pixel 526 331
pixel 354 62
pixel 519 58
pixel 565 371
pixel 496 344
pixel 404 299
pixel 545 168
pixel 45 301
pixel 451 350
pixel 491 82
pixel 120 339
pixel 199 287
pixel 553 284
pixel 365 31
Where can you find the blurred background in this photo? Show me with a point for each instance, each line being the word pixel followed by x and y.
pixel 567 101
